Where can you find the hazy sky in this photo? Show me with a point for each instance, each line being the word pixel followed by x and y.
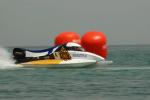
pixel 37 22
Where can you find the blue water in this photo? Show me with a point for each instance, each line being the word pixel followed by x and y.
pixel 128 78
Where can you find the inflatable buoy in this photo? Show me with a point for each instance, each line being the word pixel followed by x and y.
pixel 65 37
pixel 95 42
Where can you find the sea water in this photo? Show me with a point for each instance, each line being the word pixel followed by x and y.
pixel 128 78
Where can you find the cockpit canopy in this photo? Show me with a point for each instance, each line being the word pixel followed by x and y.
pixel 74 47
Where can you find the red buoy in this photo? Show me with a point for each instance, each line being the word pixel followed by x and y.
pixel 65 37
pixel 95 42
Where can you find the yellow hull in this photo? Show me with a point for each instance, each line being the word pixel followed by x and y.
pixel 44 62
pixel 59 63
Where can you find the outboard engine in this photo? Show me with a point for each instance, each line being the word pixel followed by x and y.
pixel 19 54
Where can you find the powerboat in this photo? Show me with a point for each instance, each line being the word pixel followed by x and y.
pixel 66 55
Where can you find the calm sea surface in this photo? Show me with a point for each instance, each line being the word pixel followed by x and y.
pixel 128 78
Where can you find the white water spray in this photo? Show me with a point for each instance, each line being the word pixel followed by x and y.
pixel 6 61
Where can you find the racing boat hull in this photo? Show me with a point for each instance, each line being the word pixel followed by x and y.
pixel 66 64
pixel 77 63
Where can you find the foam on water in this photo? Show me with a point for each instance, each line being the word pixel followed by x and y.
pixel 6 61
